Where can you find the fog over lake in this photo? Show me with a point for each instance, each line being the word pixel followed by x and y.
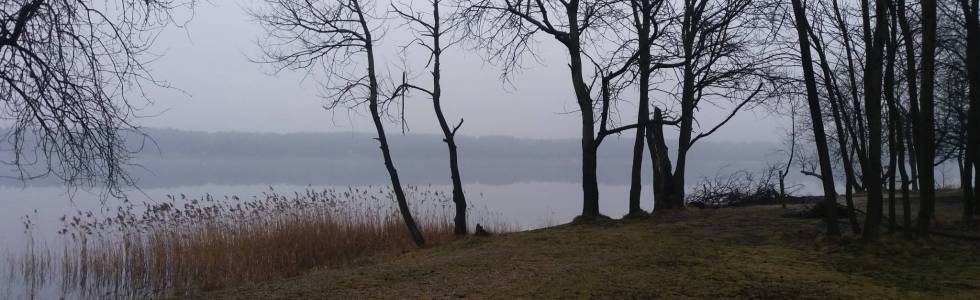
pixel 526 182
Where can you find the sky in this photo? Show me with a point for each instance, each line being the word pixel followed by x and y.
pixel 219 88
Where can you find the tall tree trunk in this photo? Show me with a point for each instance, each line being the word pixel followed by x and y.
pixel 927 151
pixel 590 181
pixel 413 228
pixel 643 113
pixel 449 134
pixel 684 138
pixel 689 33
pixel 906 205
pixel 834 95
pixel 971 9
pixel 893 117
pixel 820 138
pixel 892 160
pixel 842 26
pixel 911 78
pixel 872 104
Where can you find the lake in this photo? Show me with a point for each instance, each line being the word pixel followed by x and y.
pixel 515 190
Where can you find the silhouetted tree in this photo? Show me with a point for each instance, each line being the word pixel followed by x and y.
pixel 838 115
pixel 336 38
pixel 911 133
pixel 971 17
pixel 649 21
pixel 894 118
pixel 925 140
pixel 72 75
pixel 434 30
pixel 507 28
pixel 872 105
pixel 726 56
pixel 816 117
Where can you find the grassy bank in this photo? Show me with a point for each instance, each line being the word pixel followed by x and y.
pixel 745 253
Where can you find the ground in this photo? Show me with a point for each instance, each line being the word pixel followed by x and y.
pixel 743 253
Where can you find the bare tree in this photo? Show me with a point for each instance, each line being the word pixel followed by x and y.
pixel 507 30
pixel 72 75
pixel 816 117
pixel 838 113
pixel 912 88
pixel 726 56
pixel 649 21
pixel 845 106
pixel 434 30
pixel 894 118
pixel 926 140
pixel 872 105
pixel 324 36
pixel 971 15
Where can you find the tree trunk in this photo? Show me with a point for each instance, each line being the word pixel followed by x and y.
pixel 643 114
pixel 684 138
pixel 689 34
pixel 893 117
pixel 833 97
pixel 971 9
pixel 911 76
pixel 926 143
pixel 906 205
pixel 782 190
pixel 590 182
pixel 449 134
pixel 413 228
pixel 872 104
pixel 820 138
pixel 843 115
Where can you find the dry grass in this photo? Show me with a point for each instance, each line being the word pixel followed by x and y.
pixel 184 246
pixel 731 253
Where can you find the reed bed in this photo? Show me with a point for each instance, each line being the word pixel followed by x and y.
pixel 186 245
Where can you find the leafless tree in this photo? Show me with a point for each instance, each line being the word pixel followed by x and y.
pixel 507 30
pixel 834 96
pixel 872 104
pixel 650 19
pixel 926 138
pixel 726 56
pixel 430 28
pixel 335 39
pixel 816 117
pixel 971 18
pixel 894 117
pixel 72 75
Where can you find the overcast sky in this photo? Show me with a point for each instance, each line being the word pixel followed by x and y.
pixel 224 91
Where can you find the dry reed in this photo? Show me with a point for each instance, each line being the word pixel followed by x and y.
pixel 183 245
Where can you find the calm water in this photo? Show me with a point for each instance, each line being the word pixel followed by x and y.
pixel 523 194
pixel 518 205
pixel 524 205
